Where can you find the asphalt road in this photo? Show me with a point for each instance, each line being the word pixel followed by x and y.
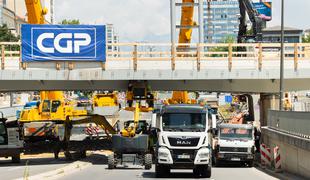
pixel 98 170
pixel 36 165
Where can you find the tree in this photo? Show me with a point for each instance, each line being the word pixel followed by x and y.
pixel 70 21
pixel 306 39
pixel 227 40
pixel 7 36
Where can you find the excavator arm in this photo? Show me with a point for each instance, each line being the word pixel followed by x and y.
pixel 246 7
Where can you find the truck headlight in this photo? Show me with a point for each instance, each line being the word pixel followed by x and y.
pixel 204 155
pixel 163 154
pixel 249 150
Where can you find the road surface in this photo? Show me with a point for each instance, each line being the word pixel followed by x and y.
pixel 99 171
pixel 36 165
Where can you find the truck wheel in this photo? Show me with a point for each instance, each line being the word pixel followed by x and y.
pixel 68 156
pixel 16 159
pixel 111 161
pixel 148 161
pixel 83 153
pixel 161 171
pixel 251 163
pixel 206 172
pixel 217 163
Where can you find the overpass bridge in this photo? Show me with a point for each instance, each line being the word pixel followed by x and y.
pixel 207 67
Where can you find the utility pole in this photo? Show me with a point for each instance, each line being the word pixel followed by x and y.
pixel 282 58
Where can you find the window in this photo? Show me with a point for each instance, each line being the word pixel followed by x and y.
pixel 46 106
pixel 55 105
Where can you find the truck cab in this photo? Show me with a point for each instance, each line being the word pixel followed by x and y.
pixel 234 143
pixel 183 140
pixel 10 142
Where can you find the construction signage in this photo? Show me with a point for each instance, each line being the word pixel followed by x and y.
pixel 63 43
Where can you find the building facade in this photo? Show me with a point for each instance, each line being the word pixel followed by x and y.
pixel 291 35
pixel 112 37
pixel 13 13
pixel 221 20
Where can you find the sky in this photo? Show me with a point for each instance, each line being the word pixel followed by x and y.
pixel 149 20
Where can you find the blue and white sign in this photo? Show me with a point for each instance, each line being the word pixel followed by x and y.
pixel 63 43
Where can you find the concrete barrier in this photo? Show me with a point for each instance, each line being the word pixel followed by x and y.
pixel 294 150
pixel 296 123
pixel 10 111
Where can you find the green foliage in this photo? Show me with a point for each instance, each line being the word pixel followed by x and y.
pixel 7 36
pixel 70 21
pixel 226 40
pixel 306 39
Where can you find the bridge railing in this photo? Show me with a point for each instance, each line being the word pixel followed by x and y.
pixel 296 123
pixel 198 53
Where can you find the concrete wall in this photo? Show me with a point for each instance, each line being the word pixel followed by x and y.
pixel 295 151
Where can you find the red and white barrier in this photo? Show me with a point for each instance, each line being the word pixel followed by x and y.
pixel 265 154
pixel 92 130
pixel 277 159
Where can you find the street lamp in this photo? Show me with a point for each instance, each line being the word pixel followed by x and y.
pixel 282 58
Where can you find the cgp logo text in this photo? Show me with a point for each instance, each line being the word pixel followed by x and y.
pixel 63 42
pixel 73 42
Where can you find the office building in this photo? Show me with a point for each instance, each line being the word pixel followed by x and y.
pixel 111 37
pixel 223 20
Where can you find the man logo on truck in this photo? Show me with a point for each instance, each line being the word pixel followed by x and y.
pixel 182 142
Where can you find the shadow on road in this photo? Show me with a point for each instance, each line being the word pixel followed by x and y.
pixel 172 175
pixel 34 162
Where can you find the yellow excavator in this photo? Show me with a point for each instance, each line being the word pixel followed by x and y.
pixel 132 144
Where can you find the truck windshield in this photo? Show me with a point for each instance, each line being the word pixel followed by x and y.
pixel 184 122
pixel 235 133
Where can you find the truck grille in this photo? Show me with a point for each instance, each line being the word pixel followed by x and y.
pixel 233 149
pixel 176 152
pixel 184 142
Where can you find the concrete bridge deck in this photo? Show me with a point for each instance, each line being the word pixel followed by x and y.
pixel 203 68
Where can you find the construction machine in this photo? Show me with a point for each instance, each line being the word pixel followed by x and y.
pixel 40 122
pixel 131 145
pixel 258 23
pixel 11 144
pixel 185 37
pixel 105 99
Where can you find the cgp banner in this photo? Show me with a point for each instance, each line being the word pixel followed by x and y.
pixel 63 43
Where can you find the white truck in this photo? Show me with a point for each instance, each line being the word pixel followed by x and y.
pixel 183 140
pixel 234 143
pixel 11 144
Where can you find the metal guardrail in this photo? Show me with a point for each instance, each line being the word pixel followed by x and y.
pixel 296 123
pixel 10 111
pixel 177 52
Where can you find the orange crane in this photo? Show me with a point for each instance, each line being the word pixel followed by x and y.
pixel 185 36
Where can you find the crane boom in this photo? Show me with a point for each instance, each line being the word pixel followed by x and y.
pixel 187 21
pixel 185 36
pixel 35 12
